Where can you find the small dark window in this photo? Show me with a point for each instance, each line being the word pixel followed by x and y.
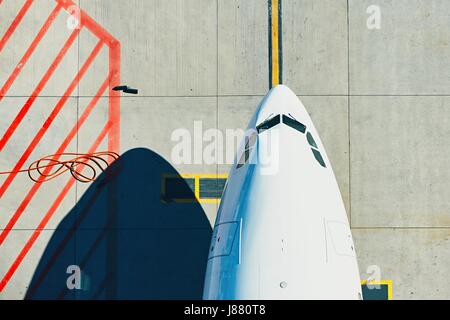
pixel 266 125
pixel 294 124
pixel 310 139
pixel 318 157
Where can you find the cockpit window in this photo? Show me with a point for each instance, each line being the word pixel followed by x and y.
pixel 318 157
pixel 269 123
pixel 311 141
pixel 250 142
pixel 294 123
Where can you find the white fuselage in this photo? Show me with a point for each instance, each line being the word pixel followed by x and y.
pixel 282 230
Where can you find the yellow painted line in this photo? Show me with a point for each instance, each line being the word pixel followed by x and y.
pixel 275 44
pixel 199 175
pixel 205 175
pixel 197 187
pixel 388 283
pixel 210 200
pixel 175 200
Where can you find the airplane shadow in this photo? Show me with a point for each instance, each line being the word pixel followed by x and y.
pixel 127 242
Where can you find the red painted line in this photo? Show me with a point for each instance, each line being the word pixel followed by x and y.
pixel 48 216
pixel 49 120
pixel 26 107
pixel 29 51
pixel 113 144
pixel 114 100
pixel 91 24
pixel 62 147
pixel 114 118
pixel 15 23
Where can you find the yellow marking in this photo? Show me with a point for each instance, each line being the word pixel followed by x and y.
pixel 388 283
pixel 275 57
pixel 196 177
pixel 205 175
pixel 211 200
pixel 197 187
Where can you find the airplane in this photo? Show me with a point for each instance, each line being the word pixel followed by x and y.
pixel 281 230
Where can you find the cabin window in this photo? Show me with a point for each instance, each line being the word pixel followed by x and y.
pixel 318 157
pixel 310 139
pixel 250 142
pixel 294 124
pixel 266 125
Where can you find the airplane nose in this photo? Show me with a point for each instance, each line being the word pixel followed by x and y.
pixel 281 91
pixel 281 100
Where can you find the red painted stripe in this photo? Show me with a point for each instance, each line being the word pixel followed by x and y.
pixel 49 120
pixel 29 51
pixel 91 24
pixel 15 23
pixel 62 147
pixel 114 100
pixel 113 143
pixel 114 107
pixel 48 216
pixel 26 107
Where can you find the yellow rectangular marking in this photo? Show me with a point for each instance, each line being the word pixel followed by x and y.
pixel 380 282
pixel 196 177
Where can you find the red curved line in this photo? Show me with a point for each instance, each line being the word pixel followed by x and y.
pixel 47 216
pixel 112 129
pixel 61 149
pixel 49 120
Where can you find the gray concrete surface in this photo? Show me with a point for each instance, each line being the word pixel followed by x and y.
pixel 400 141
pixel 207 60
pixel 315 46
pixel 414 258
pixel 171 45
pixel 242 47
pixel 407 55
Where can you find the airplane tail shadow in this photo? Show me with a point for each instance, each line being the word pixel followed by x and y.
pixel 127 242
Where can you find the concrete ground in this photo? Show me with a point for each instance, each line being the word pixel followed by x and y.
pixel 380 99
